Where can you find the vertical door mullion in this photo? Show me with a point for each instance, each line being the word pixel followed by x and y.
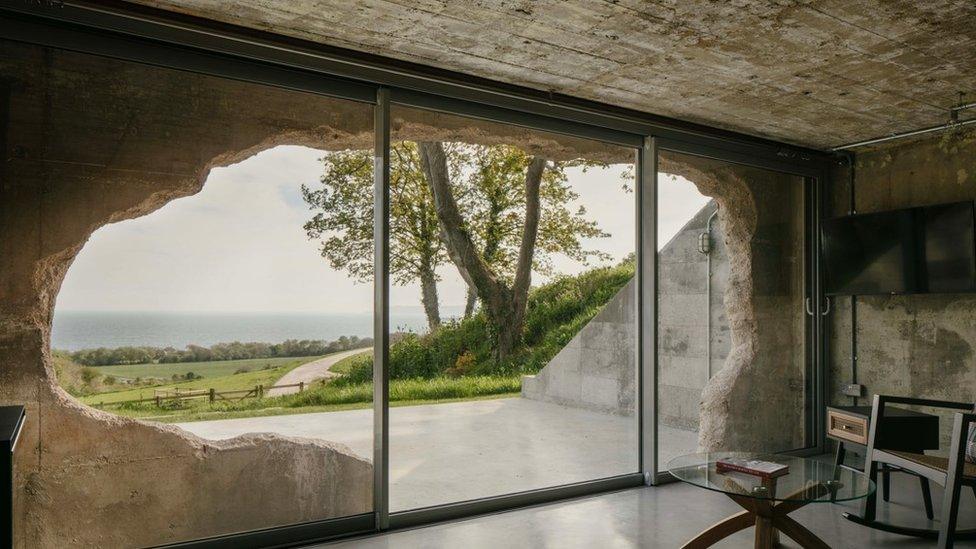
pixel 381 309
pixel 647 306
pixel 820 323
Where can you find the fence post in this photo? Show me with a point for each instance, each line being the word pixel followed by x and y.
pixel 213 395
pixel 159 401
pixel 260 391
pixel 301 386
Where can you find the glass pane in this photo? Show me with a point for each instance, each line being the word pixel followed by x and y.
pixel 512 310
pixel 207 301
pixel 732 333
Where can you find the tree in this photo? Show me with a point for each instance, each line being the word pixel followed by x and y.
pixel 487 182
pixel 493 198
pixel 510 186
pixel 343 221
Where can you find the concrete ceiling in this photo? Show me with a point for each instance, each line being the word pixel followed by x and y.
pixel 818 73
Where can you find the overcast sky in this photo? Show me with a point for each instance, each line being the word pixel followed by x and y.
pixel 239 246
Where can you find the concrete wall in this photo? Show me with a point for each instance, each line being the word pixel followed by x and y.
pixel 596 369
pixel 920 345
pixel 756 400
pixel 683 326
pixel 88 141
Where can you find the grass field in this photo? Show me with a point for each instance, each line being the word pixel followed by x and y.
pixel 203 369
pixel 329 398
pixel 226 382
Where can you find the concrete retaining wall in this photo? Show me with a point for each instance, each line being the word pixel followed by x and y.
pixel 596 369
pixel 683 314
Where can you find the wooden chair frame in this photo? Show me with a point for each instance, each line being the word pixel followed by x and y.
pixel 952 479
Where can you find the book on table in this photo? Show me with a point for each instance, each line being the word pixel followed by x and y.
pixel 755 467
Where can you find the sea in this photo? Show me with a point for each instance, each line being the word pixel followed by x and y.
pixel 74 330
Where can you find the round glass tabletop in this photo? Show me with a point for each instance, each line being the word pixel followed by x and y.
pixel 806 480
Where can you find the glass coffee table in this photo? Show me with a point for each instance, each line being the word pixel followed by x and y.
pixel 767 502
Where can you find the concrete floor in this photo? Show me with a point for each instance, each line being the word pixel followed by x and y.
pixel 443 453
pixel 665 517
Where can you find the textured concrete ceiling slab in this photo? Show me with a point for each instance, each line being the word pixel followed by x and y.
pixel 818 72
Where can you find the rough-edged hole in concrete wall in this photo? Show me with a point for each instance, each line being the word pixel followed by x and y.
pixel 100 141
pixel 150 136
pixel 756 401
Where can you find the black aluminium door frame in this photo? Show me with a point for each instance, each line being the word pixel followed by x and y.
pixel 228 52
pixel 815 179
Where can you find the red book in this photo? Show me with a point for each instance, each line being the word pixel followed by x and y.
pixel 755 467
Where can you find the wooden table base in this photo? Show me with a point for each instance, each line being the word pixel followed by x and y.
pixel 769 519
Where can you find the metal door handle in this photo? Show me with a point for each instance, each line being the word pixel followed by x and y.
pixel 807 302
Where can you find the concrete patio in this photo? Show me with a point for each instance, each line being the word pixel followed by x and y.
pixel 443 453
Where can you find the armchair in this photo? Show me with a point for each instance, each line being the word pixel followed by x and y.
pixel 952 472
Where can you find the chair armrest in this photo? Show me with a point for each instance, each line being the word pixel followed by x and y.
pixel 947 404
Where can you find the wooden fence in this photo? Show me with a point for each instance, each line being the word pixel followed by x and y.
pixel 213 395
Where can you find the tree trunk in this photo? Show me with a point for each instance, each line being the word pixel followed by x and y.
pixel 504 306
pixel 428 296
pixel 471 302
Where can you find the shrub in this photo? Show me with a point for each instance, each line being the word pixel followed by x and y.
pixel 89 375
pixel 464 364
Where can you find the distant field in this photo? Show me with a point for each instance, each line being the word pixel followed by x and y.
pixel 325 398
pixel 226 382
pixel 204 369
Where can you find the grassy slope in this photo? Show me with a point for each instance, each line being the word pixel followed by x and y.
pixel 230 382
pixel 347 364
pixel 556 313
pixel 70 375
pixel 217 368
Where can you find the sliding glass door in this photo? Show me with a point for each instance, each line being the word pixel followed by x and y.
pixel 734 367
pixel 512 310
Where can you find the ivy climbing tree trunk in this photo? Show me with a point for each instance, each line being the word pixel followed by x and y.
pixel 504 305
pixel 428 296
pixel 471 300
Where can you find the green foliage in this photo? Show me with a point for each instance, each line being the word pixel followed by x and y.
pixel 204 378
pixel 556 312
pixel 88 375
pixel 489 185
pixel 155 373
pixel 343 219
pixel 331 394
pixel 234 350
pixel 492 197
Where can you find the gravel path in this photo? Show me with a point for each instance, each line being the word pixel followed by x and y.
pixel 311 371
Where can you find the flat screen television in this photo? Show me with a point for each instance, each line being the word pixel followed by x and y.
pixel 915 250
